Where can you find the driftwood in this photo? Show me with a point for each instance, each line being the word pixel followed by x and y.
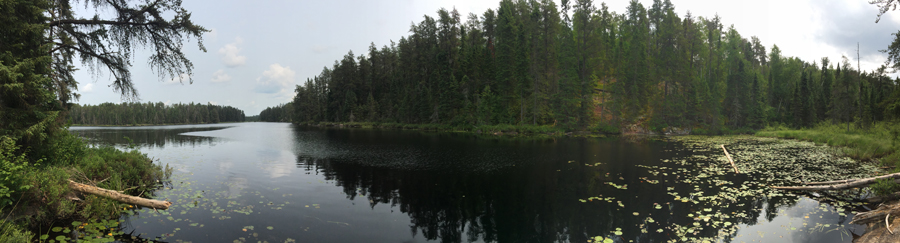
pixel 729 159
pixel 118 196
pixel 848 185
pixel 875 215
pixel 881 199
pixel 830 182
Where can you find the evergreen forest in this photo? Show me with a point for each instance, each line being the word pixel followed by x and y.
pixel 130 113
pixel 279 113
pixel 580 65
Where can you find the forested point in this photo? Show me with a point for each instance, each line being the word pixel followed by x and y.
pixel 130 113
pixel 279 113
pixel 531 63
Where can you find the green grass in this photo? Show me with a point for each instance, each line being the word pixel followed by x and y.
pixel 10 232
pixel 875 143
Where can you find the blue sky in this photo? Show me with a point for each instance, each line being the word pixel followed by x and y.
pixel 259 50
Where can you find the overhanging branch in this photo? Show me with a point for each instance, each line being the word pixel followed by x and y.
pixel 100 22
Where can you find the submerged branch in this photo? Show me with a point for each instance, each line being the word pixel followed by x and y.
pixel 729 159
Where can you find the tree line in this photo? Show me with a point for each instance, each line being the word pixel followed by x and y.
pixel 531 62
pixel 132 113
pixel 279 113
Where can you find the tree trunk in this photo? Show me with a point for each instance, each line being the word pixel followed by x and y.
pixel 830 182
pixel 852 184
pixel 150 203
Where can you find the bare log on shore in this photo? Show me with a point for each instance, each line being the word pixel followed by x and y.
pixel 875 215
pixel 848 185
pixel 729 159
pixel 830 182
pixel 114 195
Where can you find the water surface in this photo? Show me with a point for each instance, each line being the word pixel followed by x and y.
pixel 276 182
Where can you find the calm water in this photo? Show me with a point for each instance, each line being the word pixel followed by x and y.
pixel 276 182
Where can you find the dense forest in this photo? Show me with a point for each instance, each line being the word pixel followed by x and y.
pixel 130 113
pixel 532 62
pixel 279 113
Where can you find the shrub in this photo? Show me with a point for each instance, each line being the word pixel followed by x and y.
pixel 885 187
pixel 12 168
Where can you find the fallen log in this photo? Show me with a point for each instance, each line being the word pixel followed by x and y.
pixel 852 184
pixel 729 159
pixel 875 215
pixel 118 196
pixel 830 182
pixel 881 199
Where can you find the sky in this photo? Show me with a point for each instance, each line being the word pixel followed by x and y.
pixel 257 51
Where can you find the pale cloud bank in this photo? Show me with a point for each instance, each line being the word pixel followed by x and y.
pixel 220 76
pixel 231 54
pixel 88 88
pixel 276 79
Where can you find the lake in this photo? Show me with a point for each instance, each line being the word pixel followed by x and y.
pixel 277 182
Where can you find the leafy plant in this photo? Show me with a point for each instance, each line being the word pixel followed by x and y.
pixel 885 187
pixel 12 167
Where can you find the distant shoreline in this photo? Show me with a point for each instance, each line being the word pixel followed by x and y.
pixel 150 125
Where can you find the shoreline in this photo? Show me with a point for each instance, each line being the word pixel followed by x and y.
pixel 151 125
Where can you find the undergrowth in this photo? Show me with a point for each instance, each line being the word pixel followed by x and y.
pixel 43 186
pixel 878 142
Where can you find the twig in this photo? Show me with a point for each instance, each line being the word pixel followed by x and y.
pixel 887 223
pixel 101 181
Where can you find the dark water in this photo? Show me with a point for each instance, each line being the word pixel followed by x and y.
pixel 275 182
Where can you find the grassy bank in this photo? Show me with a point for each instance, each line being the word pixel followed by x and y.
pixel 503 129
pixel 36 195
pixel 878 142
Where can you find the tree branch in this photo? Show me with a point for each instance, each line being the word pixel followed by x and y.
pixel 100 22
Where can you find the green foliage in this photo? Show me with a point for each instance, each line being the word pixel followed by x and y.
pixel 605 129
pixel 529 63
pixel 884 187
pixel 12 167
pixel 876 142
pixel 279 113
pixel 114 169
pixel 10 232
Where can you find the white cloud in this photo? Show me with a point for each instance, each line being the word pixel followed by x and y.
pixel 88 88
pixel 276 80
pixel 231 54
pixel 220 76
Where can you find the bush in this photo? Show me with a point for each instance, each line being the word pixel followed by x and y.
pixel 12 170
pixel 605 129
pixel 884 187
